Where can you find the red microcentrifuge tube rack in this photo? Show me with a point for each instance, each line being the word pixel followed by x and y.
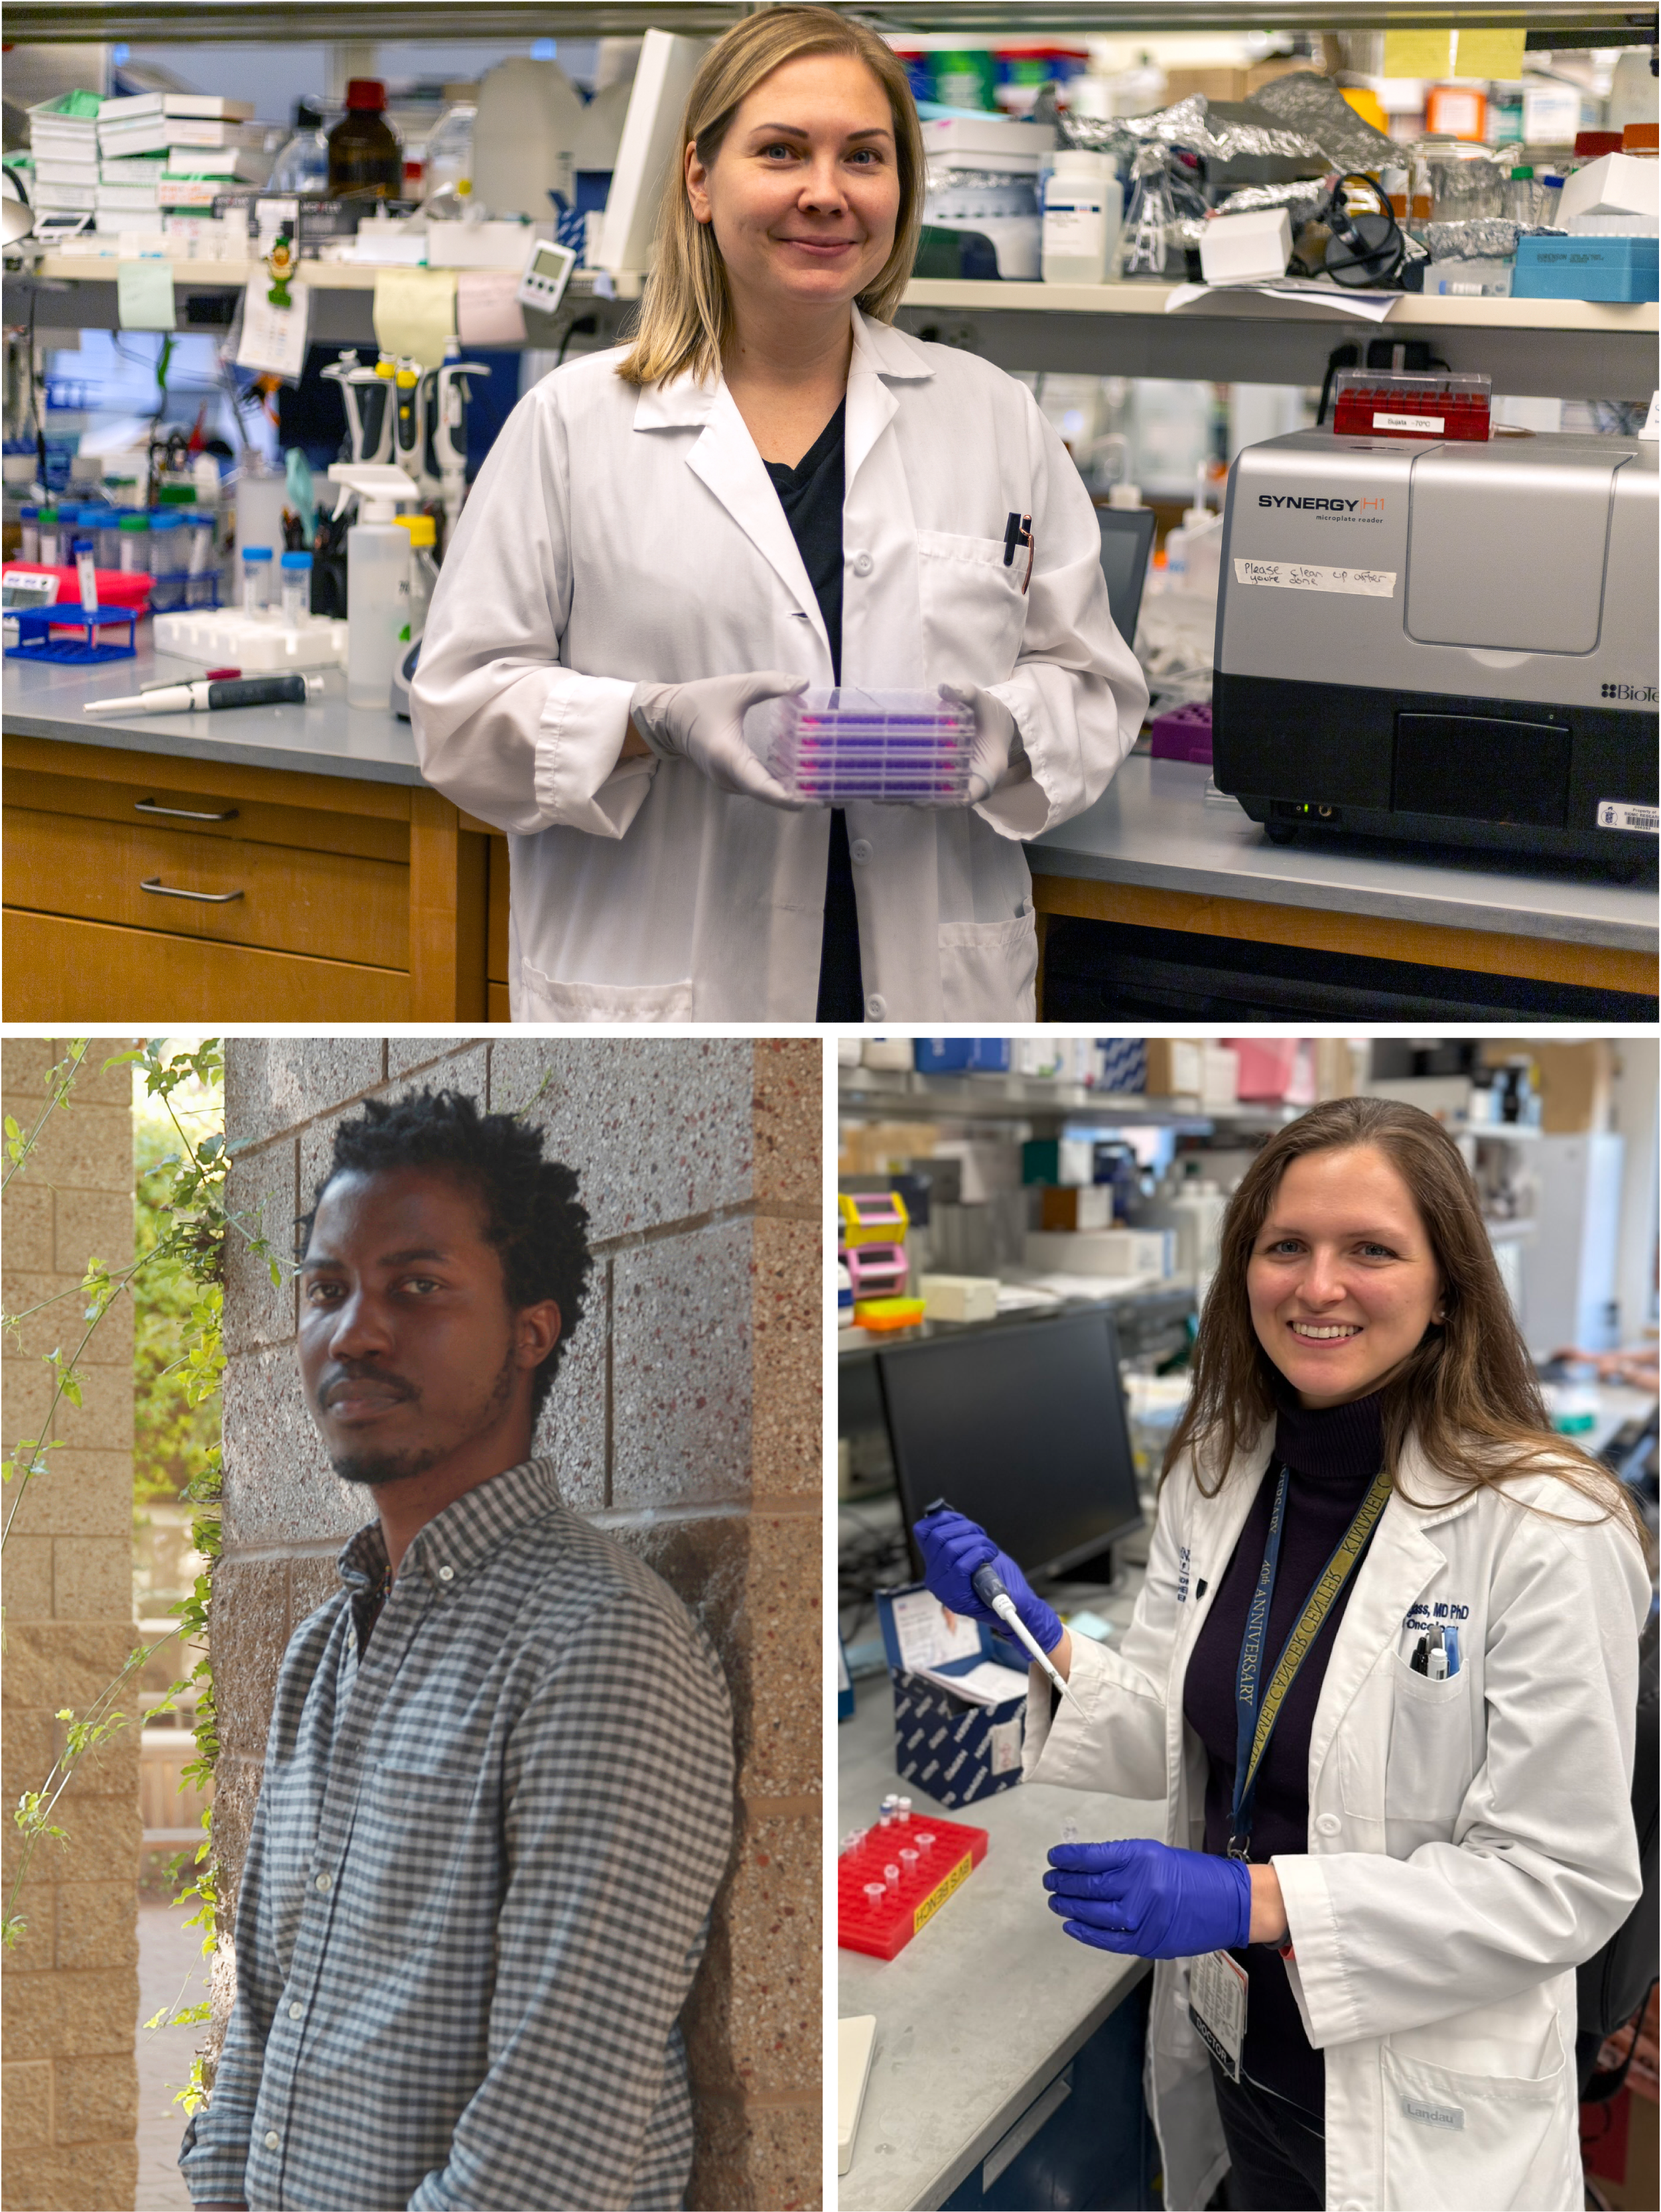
pixel 883 1930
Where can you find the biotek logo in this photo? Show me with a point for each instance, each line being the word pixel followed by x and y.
pixel 1643 693
pixel 1337 506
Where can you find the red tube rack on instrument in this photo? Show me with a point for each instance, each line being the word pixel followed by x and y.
pixel 885 1928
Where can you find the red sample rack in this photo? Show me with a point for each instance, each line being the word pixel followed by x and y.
pixel 883 1930
pixel 1371 403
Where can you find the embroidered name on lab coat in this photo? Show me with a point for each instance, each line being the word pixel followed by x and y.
pixel 1433 2115
pixel 1182 1574
pixel 1426 1616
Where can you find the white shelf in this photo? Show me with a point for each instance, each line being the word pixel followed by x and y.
pixel 882 1093
pixel 1413 310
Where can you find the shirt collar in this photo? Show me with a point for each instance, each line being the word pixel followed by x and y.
pixel 879 350
pixel 463 1536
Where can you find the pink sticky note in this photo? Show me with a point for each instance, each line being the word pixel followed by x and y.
pixel 488 312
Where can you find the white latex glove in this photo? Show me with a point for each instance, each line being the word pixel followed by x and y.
pixel 703 722
pixel 997 756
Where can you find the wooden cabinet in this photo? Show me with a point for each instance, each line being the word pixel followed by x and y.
pixel 142 888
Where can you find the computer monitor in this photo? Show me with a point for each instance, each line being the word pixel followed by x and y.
pixel 1022 1427
pixel 1127 542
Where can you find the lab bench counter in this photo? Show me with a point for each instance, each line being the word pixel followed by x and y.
pixel 1154 853
pixel 257 864
pixel 984 2007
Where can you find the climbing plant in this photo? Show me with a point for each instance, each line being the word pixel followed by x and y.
pixel 176 1276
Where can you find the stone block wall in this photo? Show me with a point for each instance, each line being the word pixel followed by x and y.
pixel 685 1421
pixel 70 1988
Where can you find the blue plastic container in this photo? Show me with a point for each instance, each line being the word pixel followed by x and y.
pixel 1616 269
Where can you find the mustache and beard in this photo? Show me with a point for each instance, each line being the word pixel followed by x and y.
pixel 374 1464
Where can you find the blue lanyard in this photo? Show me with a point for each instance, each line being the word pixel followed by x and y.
pixel 1257 1708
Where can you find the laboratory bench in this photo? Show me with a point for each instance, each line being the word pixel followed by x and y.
pixel 982 2014
pixel 1182 896
pixel 289 863
pixel 253 864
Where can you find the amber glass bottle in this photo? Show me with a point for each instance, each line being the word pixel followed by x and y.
pixel 366 160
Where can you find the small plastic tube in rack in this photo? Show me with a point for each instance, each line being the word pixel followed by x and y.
pixel 256 579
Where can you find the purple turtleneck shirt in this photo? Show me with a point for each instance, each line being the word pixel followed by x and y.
pixel 1333 1457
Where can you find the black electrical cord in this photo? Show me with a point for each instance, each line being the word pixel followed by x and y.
pixel 1362 249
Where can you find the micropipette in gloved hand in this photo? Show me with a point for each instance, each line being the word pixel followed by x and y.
pixel 987 1585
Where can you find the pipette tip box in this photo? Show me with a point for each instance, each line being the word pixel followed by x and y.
pixel 904 748
pixel 883 1928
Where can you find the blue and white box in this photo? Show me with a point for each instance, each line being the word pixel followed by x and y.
pixel 1121 1063
pixel 957 1747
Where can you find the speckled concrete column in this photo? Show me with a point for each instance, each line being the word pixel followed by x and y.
pixel 685 1422
pixel 71 1985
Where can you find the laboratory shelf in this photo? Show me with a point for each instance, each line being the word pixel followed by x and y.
pixel 1561 348
pixel 1549 23
pixel 901 1094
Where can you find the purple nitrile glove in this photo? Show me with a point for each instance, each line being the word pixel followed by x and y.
pixel 953 1548
pixel 1148 1901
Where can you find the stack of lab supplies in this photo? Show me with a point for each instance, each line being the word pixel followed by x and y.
pixel 63 141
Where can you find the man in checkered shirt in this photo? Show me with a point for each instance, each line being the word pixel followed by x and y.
pixel 498 1785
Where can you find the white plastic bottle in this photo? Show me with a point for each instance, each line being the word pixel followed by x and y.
pixel 1081 207
pixel 377 601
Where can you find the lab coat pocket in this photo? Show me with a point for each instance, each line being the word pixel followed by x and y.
pixel 1430 1763
pixel 408 1841
pixel 540 999
pixel 973 611
pixel 989 969
pixel 1478 2142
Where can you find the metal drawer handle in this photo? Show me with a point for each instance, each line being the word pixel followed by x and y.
pixel 181 813
pixel 154 884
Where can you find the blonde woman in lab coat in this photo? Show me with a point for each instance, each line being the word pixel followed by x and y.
pixel 1440 1830
pixel 772 488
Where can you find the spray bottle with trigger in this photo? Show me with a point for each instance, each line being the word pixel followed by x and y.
pixel 450 430
pixel 987 1585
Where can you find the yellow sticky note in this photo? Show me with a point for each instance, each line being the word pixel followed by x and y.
pixel 1419 54
pixel 1490 53
pixel 415 311
pixel 143 294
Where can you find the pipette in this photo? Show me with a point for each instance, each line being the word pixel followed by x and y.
pixel 203 695
pixel 987 1585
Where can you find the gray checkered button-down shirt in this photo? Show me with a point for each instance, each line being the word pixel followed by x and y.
pixel 478 1882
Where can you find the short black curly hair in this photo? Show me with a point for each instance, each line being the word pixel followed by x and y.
pixel 533 1215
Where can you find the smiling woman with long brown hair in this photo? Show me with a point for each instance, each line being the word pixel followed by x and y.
pixel 1383 1672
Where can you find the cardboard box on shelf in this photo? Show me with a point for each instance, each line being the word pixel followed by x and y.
pixel 1335 1068
pixel 1193 1067
pixel 1574 1080
pixel 882 1147
pixel 1067 1207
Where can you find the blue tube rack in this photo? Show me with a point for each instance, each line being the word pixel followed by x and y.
pixel 35 641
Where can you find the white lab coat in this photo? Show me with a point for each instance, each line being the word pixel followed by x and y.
pixel 1470 1841
pixel 618 536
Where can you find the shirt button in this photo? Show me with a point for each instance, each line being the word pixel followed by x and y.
pixel 447 1574
pixel 859 851
pixel 272 2139
pixel 862 564
pixel 326 1881
pixel 295 2010
pixel 1327 1823
pixel 876 1007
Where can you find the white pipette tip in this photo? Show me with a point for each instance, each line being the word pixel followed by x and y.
pixel 1004 1606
